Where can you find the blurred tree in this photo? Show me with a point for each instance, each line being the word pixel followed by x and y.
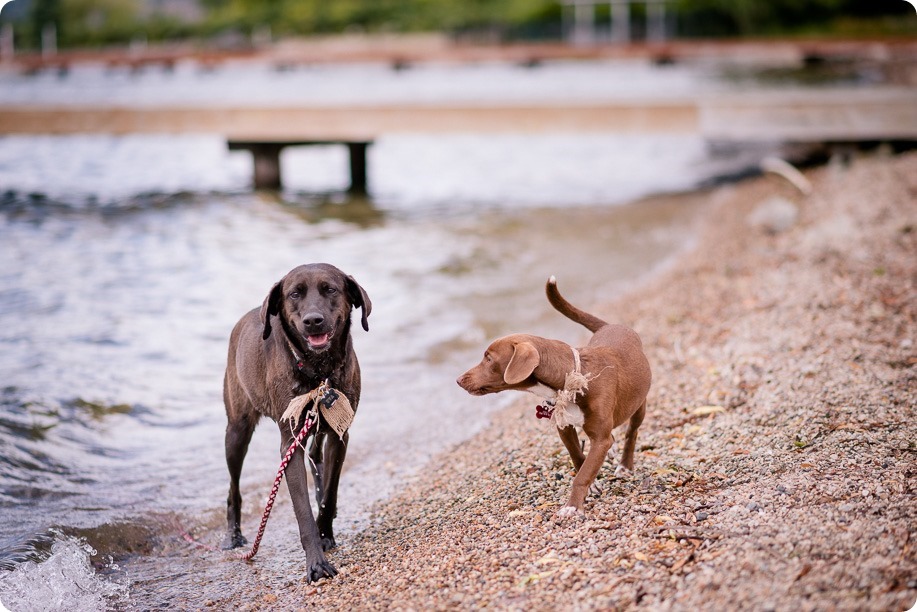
pixel 81 22
pixel 43 13
pixel 755 17
pixel 95 22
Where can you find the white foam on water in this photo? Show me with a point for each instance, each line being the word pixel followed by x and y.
pixel 64 581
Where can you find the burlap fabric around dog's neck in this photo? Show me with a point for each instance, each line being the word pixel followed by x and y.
pixel 334 406
pixel 575 383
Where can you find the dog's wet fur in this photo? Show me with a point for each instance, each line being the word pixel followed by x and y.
pixel 619 380
pixel 298 338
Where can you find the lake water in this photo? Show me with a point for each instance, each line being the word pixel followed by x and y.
pixel 125 262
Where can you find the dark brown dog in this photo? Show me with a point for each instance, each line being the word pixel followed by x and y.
pixel 618 375
pixel 298 338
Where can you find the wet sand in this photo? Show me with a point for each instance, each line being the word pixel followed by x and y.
pixel 775 468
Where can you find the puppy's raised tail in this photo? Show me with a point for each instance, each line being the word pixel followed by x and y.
pixel 590 322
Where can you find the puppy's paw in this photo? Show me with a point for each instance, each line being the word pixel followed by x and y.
pixel 568 512
pixel 596 488
pixel 623 472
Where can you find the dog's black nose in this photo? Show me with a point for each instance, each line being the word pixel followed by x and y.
pixel 313 320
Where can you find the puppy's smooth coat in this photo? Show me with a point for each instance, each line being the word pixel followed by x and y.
pixel 298 338
pixel 619 380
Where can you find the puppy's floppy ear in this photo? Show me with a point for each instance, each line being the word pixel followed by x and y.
pixel 271 307
pixel 359 299
pixel 524 361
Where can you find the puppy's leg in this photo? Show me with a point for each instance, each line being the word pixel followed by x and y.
pixel 238 436
pixel 319 567
pixel 571 441
pixel 336 451
pixel 630 441
pixel 598 448
pixel 613 453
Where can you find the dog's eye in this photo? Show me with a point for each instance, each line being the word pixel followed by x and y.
pixel 294 295
pixel 330 290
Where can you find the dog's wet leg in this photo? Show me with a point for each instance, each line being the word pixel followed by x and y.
pixel 238 436
pixel 318 565
pixel 336 449
pixel 316 456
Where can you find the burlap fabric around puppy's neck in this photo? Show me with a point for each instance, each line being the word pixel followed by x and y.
pixel 575 383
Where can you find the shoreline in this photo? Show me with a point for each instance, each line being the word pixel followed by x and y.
pixel 774 468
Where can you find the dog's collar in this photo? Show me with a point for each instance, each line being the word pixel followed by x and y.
pixel 300 362
pixel 575 383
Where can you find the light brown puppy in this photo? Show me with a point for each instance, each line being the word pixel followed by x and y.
pixel 618 375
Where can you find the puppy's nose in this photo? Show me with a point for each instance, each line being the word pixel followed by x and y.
pixel 313 319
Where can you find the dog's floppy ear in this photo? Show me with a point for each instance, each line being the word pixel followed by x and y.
pixel 359 299
pixel 271 307
pixel 524 361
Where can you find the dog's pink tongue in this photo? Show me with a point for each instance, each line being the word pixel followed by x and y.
pixel 318 340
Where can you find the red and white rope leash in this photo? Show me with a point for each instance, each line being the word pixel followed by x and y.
pixel 283 467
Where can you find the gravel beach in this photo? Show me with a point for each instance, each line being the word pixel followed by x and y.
pixel 776 465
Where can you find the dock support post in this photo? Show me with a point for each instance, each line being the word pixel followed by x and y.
pixel 357 152
pixel 267 165
pixel 266 156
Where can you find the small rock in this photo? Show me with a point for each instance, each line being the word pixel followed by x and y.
pixel 701 516
pixel 753 506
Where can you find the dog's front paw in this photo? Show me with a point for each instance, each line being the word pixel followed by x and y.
pixel 328 542
pixel 569 512
pixel 596 488
pixel 623 472
pixel 320 568
pixel 233 539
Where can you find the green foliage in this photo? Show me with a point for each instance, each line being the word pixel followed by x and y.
pixel 771 17
pixel 321 16
pixel 94 22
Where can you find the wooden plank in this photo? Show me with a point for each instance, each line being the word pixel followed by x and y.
pixel 351 123
pixel 815 115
